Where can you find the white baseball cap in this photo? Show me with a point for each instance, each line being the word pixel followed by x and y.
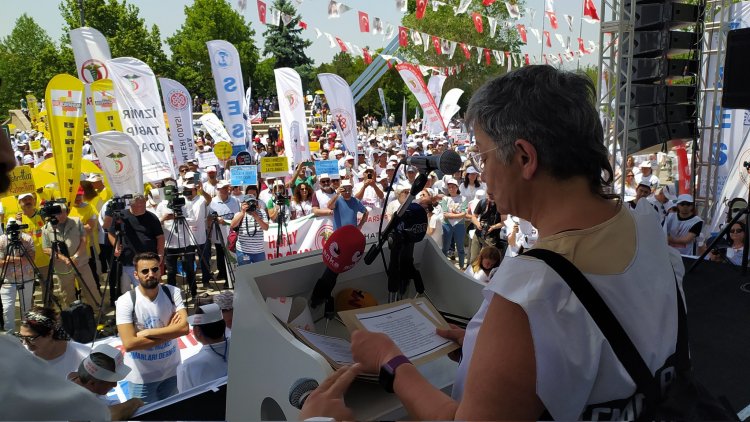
pixel 102 374
pixel 211 313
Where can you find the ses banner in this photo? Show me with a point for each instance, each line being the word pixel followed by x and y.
pixel 100 100
pixel 225 65
pixel 142 115
pixel 341 102
pixel 293 117
pixel 413 79
pixel 180 114
pixel 120 158
pixel 64 103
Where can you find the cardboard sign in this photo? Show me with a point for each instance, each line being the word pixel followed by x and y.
pixel 244 175
pixel 274 166
pixel 206 159
pixel 35 145
pixel 223 150
pixel 21 181
pixel 461 138
pixel 327 166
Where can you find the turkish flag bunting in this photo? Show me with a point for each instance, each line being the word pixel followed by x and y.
pixel 547 39
pixel 367 58
pixel 303 24
pixel 581 47
pixel 466 50
pixel 262 12
pixel 421 7
pixel 403 36
pixel 487 56
pixel 364 22
pixel 487 2
pixel 341 44
pixel 522 32
pixel 436 44
pixel 477 18
pixel 552 19
pixel 527 61
pixel 589 11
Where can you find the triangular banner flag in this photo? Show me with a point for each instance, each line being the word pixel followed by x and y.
pixel 463 6
pixel 262 12
pixel 467 52
pixel 547 40
pixel 286 18
pixel 401 5
pixel 535 33
pixel 403 36
pixel 569 19
pixel 415 37
pixel 522 33
pixel 513 10
pixel 333 10
pixel 493 25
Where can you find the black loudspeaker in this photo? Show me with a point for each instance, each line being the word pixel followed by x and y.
pixel 648 94
pixel 665 15
pixel 651 115
pixel 651 137
pixel 652 70
pixel 658 43
pixel 736 89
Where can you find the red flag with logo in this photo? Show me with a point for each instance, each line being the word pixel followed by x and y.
pixel 421 7
pixel 303 24
pixel 366 56
pixel 262 12
pixel 364 22
pixel 547 39
pixel 466 50
pixel 436 44
pixel 487 56
pixel 522 32
pixel 589 11
pixel 477 19
pixel 549 10
pixel 403 36
pixel 341 44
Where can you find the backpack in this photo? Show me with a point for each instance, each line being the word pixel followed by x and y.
pixel 79 322
pixel 164 289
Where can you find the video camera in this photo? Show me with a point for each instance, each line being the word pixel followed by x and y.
pixel 280 198
pixel 175 201
pixel 117 205
pixel 13 230
pixel 50 209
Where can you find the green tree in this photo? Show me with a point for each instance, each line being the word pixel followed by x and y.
pixel 208 20
pixel 119 22
pixel 28 60
pixel 284 41
pixel 264 81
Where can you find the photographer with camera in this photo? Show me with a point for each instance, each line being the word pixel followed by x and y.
pixel 223 208
pixel 250 247
pixel 18 272
pixel 141 232
pixel 30 217
pixel 279 204
pixel 489 223
pixel 72 251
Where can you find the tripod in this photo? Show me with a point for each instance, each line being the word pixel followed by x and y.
pixel 281 223
pixel 221 245
pixel 15 250
pixel 115 265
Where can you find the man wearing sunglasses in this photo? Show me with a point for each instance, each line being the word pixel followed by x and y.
pixel 149 319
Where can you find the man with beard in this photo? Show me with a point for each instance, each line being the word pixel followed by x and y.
pixel 149 319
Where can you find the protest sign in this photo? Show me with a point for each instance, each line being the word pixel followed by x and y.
pixel 327 166
pixel 223 150
pixel 244 175
pixel 274 166
pixel 21 181
pixel 206 159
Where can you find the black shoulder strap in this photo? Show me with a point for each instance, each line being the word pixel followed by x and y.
pixel 618 339
pixel 166 291
pixel 132 299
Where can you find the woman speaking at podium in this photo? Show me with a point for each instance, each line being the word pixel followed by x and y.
pixel 532 351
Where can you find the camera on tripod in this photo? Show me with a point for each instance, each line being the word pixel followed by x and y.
pixel 175 201
pixel 50 209
pixel 13 230
pixel 280 198
pixel 117 205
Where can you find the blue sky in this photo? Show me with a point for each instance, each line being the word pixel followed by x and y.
pixel 168 15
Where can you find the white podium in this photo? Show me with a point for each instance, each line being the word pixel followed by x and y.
pixel 266 360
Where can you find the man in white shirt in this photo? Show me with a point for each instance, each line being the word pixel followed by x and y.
pixel 647 177
pixel 225 206
pixel 211 361
pixel 368 191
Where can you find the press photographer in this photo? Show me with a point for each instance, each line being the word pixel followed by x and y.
pixel 69 237
pixel 16 271
pixel 279 204
pixel 250 223
pixel 489 224
pixel 31 217
pixel 224 206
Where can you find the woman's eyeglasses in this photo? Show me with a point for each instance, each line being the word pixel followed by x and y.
pixel 26 339
pixel 733 231
pixel 154 270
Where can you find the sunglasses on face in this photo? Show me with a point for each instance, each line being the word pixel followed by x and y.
pixel 154 270
pixel 736 231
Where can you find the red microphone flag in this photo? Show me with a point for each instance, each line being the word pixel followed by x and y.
pixel 343 249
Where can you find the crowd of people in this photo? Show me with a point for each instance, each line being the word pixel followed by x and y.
pixel 518 188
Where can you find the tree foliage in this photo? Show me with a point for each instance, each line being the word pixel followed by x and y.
pixel 208 20
pixel 28 60
pixel 121 24
pixel 284 41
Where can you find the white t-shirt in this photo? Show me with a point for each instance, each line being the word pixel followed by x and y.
pixel 436 223
pixel 677 227
pixel 195 212
pixel 207 365
pixel 627 261
pixel 71 359
pixel 370 198
pixel 159 362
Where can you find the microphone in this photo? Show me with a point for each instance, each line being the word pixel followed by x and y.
pixel 341 252
pixel 448 162
pixel 300 390
pixel 412 225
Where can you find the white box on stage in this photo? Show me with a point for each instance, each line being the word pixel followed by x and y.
pixel 266 359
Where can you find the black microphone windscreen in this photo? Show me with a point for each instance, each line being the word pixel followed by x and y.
pixel 449 162
pixel 300 390
pixel 412 224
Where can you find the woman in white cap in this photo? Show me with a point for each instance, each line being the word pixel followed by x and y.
pixel 471 184
pixel 454 207
pixel 684 226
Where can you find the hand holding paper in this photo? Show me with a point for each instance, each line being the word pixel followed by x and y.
pixel 372 350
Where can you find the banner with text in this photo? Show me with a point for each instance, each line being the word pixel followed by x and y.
pixel 414 81
pixel 120 158
pixel 340 100
pixel 244 175
pixel 180 114
pixel 274 167
pixel 213 127
pixel 100 99
pixel 142 115
pixel 293 117
pixel 64 103
pixel 225 65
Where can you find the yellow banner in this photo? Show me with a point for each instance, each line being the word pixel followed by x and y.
pixel 33 108
pixel 21 181
pixel 274 166
pixel 105 107
pixel 64 102
pixel 314 146
pixel 223 150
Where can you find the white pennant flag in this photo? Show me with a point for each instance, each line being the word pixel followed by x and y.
pixel 513 11
pixel 515 59
pixel 435 87
pixel 214 127
pixel 349 46
pixel 333 9
pixel 569 19
pixel 230 89
pixel 560 39
pixel 286 18
pixel 179 109
pixel 274 16
pixel 452 49
pixel 341 102
pixel 343 8
pixel 480 54
pixel 493 25
pixel 246 114
pixel 330 40
pixel 317 32
pixel 357 50
pixel 401 5
pixel 121 159
pixel 535 32
pixel 499 57
pixel 390 31
pixel 415 37
pixel 445 46
pixel 436 5
pixel 293 117
pixel 449 106
pixel 377 26
pixel 463 6
pixel 510 61
pixel 532 13
pixel 142 115
pixel 425 41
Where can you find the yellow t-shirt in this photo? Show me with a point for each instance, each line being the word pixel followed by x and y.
pixel 86 212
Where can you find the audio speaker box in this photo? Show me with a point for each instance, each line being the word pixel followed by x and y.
pixel 665 15
pixel 659 43
pixel 652 70
pixel 650 138
pixel 649 94
pixel 736 88
pixel 652 115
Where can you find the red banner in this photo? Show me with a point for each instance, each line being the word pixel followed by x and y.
pixel 262 12
pixel 684 169
pixel 364 22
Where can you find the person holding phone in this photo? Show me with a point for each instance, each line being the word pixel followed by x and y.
pixel 304 173
pixel 368 191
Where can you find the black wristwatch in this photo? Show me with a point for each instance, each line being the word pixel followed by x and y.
pixel 388 372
